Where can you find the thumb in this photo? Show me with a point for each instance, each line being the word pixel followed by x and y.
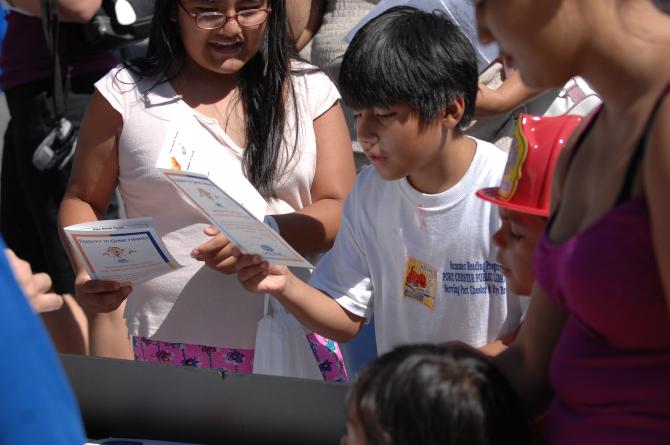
pixel 211 231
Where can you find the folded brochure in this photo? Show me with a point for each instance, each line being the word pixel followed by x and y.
pixel 237 222
pixel 125 250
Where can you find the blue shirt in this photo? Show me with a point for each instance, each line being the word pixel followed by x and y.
pixel 36 402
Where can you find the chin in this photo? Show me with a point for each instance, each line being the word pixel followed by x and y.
pixel 389 176
pixel 545 81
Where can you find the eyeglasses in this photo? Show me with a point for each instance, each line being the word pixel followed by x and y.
pixel 218 19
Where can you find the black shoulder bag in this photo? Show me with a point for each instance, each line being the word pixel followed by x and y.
pixel 57 148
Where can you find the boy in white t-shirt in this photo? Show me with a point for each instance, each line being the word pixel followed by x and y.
pixel 414 242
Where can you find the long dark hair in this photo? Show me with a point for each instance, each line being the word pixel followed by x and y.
pixel 429 395
pixel 264 84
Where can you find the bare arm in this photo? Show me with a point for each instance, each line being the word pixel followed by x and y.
pixel 510 95
pixel 656 186
pixel 497 347
pixel 312 229
pixel 79 11
pixel 526 362
pixel 313 308
pixel 92 183
pixel 304 19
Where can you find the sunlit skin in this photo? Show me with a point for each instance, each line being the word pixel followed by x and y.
pixel 224 50
pixel 530 45
pixel 516 240
pixel 433 156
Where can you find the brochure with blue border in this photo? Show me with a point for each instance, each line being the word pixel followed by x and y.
pixel 239 224
pixel 125 250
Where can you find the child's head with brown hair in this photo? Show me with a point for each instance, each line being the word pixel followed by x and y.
pixel 433 394
pixel 524 194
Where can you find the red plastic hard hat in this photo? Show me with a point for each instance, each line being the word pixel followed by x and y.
pixel 526 183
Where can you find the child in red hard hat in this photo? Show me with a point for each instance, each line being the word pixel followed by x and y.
pixel 523 198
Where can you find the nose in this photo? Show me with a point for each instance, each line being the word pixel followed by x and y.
pixel 365 132
pixel 499 238
pixel 483 33
pixel 231 25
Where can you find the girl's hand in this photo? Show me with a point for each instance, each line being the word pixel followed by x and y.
pixel 97 296
pixel 217 253
pixel 259 276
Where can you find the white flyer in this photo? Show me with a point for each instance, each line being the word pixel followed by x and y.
pixel 184 150
pixel 125 250
pixel 239 224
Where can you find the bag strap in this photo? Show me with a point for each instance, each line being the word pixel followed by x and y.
pixel 266 305
pixel 51 28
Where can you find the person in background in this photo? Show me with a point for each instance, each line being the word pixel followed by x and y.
pixel 227 72
pixel 30 198
pixel 304 20
pixel 37 403
pixel 433 395
pixel 403 251
pixel 595 344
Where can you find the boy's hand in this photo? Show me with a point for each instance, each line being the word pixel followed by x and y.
pixel 259 276
pixel 97 296
pixel 217 253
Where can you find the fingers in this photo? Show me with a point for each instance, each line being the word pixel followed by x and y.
pixel 47 302
pixel 97 296
pixel 211 231
pixel 39 283
pixel 247 261
pixel 251 273
pixel 103 302
pixel 211 247
pixel 90 286
pixel 217 253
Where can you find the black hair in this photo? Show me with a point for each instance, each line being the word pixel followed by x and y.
pixel 264 83
pixel 430 394
pixel 413 57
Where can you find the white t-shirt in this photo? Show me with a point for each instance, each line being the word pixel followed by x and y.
pixel 423 264
pixel 196 304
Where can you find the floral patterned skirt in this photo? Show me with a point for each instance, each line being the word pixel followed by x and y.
pixel 326 352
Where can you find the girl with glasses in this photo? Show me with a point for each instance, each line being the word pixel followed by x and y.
pixel 226 73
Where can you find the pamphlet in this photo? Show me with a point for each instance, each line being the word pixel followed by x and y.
pixel 183 149
pixel 125 250
pixel 244 228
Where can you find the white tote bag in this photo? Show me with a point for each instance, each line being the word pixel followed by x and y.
pixel 281 345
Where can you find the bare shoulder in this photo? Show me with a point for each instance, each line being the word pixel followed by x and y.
pixel 657 157
pixel 563 162
pixel 656 185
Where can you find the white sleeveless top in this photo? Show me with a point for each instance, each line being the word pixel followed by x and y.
pixel 195 304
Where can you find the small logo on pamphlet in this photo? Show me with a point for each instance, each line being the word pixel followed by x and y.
pixel 118 254
pixel 267 248
pixel 204 193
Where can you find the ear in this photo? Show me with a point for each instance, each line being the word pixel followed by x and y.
pixel 454 113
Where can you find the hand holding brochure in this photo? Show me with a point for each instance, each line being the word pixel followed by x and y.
pixel 125 250
pixel 243 228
